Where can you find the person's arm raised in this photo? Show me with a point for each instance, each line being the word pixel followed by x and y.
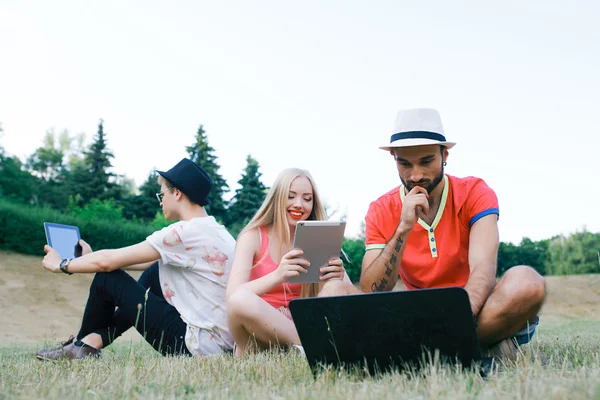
pixel 380 267
pixel 483 255
pixel 103 260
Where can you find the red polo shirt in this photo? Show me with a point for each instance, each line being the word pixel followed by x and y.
pixel 436 255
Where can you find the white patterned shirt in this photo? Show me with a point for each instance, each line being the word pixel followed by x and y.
pixel 196 258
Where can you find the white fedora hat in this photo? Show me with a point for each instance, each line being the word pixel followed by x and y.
pixel 417 127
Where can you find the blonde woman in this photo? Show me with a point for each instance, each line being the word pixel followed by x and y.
pixel 258 292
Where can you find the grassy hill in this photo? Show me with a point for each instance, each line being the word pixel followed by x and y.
pixel 40 306
pixel 563 360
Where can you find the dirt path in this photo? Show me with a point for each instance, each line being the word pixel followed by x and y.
pixel 38 306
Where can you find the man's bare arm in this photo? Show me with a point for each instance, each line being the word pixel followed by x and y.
pixel 103 260
pixel 483 255
pixel 87 249
pixel 380 270
pixel 380 267
pixel 139 267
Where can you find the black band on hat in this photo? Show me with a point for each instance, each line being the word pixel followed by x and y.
pixel 417 135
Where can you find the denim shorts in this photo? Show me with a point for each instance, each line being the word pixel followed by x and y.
pixel 525 334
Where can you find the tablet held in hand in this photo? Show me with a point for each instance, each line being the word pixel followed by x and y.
pixel 320 241
pixel 64 239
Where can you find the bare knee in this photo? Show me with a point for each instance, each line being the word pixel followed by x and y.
pixel 524 287
pixel 337 287
pixel 242 304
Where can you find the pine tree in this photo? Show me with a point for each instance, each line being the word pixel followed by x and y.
pixel 92 179
pixel 147 196
pixel 98 161
pixel 248 198
pixel 150 187
pixel 203 155
pixel 145 205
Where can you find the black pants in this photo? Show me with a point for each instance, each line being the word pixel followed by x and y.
pixel 155 319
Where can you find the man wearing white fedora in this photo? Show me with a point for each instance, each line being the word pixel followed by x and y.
pixel 437 230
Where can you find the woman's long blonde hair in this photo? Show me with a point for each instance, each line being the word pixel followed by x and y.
pixel 273 213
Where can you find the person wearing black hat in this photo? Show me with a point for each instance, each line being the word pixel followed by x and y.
pixel 178 304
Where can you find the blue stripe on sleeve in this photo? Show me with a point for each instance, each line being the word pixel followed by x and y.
pixel 483 214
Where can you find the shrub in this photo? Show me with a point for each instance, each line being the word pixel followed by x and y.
pixel 22 231
pixel 353 253
pixel 104 210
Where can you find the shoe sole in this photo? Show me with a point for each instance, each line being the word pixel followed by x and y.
pixel 42 358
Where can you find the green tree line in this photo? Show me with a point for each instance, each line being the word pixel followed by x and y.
pixel 77 182
pixel 64 175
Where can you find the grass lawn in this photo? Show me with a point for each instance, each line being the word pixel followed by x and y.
pixel 562 362
pixel 38 308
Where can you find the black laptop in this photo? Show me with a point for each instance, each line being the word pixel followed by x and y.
pixel 386 331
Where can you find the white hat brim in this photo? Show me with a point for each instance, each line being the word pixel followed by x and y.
pixel 415 142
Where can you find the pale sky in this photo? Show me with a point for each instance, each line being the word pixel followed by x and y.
pixel 317 85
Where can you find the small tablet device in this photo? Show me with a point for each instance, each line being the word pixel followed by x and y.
pixel 320 241
pixel 64 239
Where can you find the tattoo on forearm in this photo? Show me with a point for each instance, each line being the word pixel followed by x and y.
pixel 388 270
pixel 399 243
pixel 381 287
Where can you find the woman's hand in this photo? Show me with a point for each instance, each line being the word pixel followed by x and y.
pixel 51 260
pixel 292 264
pixel 334 270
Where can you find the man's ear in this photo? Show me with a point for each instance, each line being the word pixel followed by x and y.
pixel 178 194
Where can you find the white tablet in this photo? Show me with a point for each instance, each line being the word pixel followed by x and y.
pixel 64 239
pixel 320 241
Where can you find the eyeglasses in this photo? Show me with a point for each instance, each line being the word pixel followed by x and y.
pixel 160 195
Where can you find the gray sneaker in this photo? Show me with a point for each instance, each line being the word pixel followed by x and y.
pixel 505 349
pixel 67 351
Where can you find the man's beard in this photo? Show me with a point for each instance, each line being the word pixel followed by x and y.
pixel 428 184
